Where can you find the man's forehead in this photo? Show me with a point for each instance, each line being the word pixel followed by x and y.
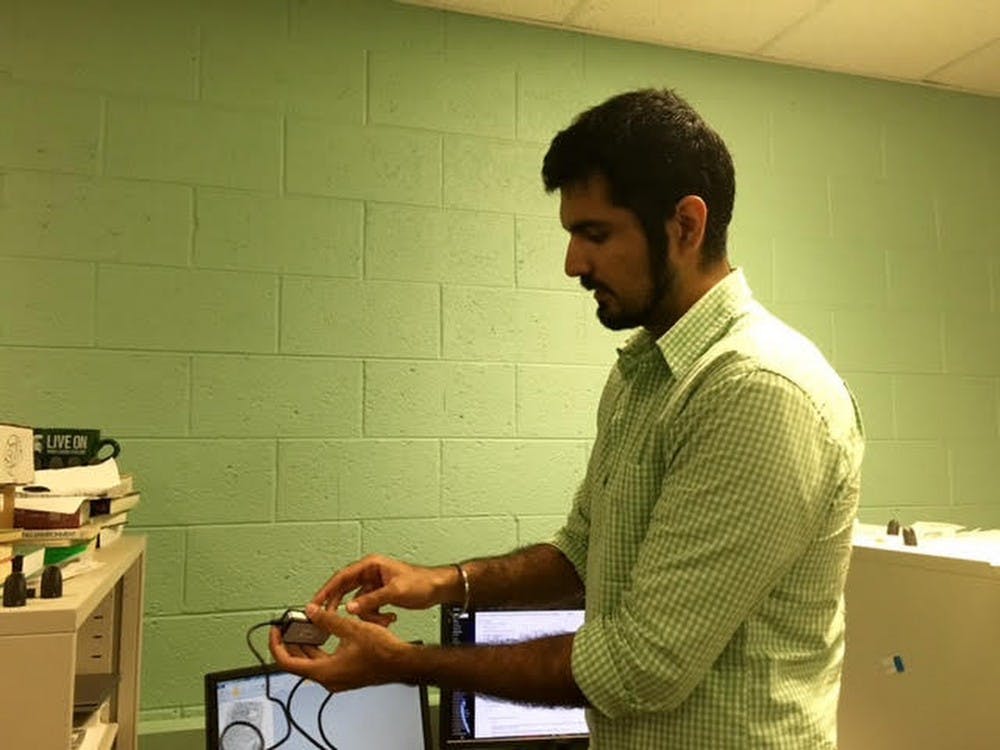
pixel 586 201
pixel 593 185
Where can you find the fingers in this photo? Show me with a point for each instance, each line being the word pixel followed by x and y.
pixel 367 604
pixel 296 663
pixel 384 619
pixel 330 621
pixel 364 573
pixel 344 580
pixel 313 652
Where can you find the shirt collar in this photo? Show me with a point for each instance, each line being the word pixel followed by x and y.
pixel 705 322
pixel 700 327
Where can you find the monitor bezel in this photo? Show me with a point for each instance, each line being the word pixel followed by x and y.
pixel 446 742
pixel 212 679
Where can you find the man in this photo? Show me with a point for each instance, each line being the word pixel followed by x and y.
pixel 711 534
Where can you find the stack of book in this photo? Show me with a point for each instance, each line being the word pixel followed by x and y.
pixel 69 512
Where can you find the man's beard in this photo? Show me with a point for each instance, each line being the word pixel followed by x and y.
pixel 663 281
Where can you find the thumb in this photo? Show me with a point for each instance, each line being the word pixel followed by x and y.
pixel 329 620
pixel 369 602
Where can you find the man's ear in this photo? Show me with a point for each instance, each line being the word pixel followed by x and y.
pixel 690 215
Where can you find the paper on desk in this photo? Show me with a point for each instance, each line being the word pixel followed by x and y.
pixel 933 538
pixel 78 567
pixel 65 490
pixel 50 503
pixel 936 529
pixel 976 544
pixel 75 480
pixel 89 737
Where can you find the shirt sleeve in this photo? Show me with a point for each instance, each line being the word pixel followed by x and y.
pixel 742 496
pixel 573 538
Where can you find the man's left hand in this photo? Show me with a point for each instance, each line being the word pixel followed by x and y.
pixel 366 654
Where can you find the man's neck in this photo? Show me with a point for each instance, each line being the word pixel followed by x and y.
pixel 685 294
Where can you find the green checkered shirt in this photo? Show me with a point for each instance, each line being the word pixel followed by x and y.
pixel 713 532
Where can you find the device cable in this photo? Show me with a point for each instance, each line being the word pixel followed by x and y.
pixel 286 706
pixel 319 721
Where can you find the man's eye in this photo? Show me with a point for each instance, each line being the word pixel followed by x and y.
pixel 596 237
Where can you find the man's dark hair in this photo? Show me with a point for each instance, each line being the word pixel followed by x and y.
pixel 653 149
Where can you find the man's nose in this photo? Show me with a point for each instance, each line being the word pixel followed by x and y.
pixel 577 263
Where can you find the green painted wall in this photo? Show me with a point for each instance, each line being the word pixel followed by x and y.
pixel 297 258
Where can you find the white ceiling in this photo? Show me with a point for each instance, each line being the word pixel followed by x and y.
pixel 951 43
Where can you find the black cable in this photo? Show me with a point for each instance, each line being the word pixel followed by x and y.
pixel 319 721
pixel 267 684
pixel 287 705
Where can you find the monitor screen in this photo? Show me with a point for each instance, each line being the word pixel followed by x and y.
pixel 239 715
pixel 473 720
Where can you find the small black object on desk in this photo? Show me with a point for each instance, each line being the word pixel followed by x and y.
pixel 52 582
pixel 15 588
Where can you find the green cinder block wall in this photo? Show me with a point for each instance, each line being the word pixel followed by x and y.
pixel 296 257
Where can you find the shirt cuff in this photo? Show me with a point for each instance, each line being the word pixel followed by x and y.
pixel 575 553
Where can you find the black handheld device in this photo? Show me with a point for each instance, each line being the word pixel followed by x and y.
pixel 296 628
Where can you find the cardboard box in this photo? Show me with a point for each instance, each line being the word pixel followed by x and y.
pixel 17 466
pixel 17 458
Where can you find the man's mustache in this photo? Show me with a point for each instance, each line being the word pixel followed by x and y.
pixel 590 285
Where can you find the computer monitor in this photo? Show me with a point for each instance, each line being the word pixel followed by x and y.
pixel 240 715
pixel 471 720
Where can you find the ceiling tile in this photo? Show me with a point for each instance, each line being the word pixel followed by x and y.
pixel 718 25
pixel 979 71
pixel 951 43
pixel 891 38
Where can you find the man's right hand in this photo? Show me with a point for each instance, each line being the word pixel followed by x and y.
pixel 379 580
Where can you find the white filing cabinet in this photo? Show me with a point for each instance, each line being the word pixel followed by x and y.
pixel 922 667
pixel 94 628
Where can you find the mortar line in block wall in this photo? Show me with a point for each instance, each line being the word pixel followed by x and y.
pixel 102 137
pixel 190 394
pixel 283 155
pixel 440 477
pixel 199 84
pixel 193 235
pixel 277 479
pixel 365 86
pixel 364 241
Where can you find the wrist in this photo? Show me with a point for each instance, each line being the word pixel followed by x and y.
pixel 410 666
pixel 450 585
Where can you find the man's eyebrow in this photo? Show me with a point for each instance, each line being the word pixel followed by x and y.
pixel 587 225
